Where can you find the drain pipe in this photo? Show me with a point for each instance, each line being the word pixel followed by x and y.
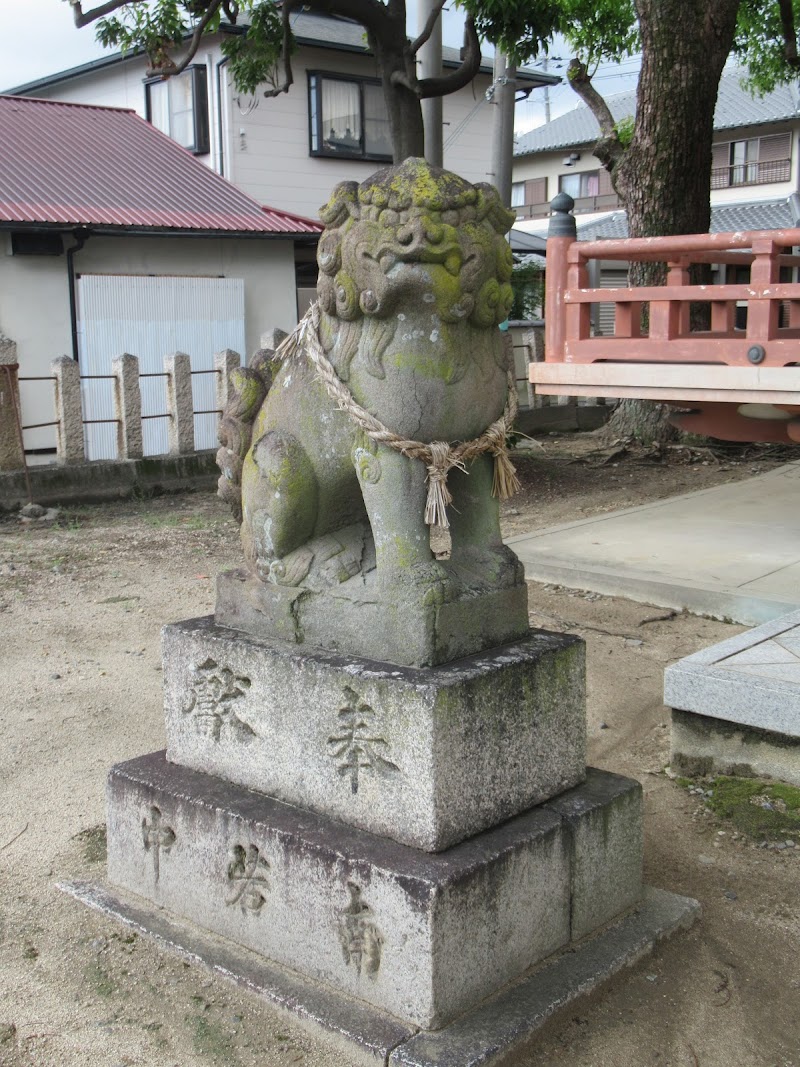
pixel 81 237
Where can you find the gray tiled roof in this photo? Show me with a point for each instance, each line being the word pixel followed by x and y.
pixel 313 29
pixel 725 218
pixel 735 108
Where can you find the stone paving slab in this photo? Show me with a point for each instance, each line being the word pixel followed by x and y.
pixel 501 1026
pixel 732 551
pixel 752 679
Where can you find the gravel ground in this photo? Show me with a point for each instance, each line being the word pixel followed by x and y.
pixel 80 688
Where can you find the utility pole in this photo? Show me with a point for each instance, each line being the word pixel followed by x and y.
pixel 430 66
pixel 503 126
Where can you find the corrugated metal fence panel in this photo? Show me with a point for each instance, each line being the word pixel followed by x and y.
pixel 151 317
pixel 610 278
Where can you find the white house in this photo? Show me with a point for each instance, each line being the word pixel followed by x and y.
pixel 115 239
pixel 291 150
pixel 756 162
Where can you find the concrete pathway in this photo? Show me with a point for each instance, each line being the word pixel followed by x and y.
pixel 730 552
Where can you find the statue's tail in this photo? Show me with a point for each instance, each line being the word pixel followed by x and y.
pixel 248 388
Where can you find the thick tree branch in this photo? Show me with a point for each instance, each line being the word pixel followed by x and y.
pixel 287 8
pixel 96 13
pixel 789 33
pixel 451 83
pixel 427 29
pixel 170 68
pixel 609 149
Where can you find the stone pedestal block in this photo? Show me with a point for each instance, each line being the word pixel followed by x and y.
pixel 426 757
pixel 603 820
pixel 422 937
pixel 356 617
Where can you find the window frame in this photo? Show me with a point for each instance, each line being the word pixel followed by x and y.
pixel 315 132
pixel 581 175
pixel 198 73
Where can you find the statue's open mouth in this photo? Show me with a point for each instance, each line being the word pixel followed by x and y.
pixel 448 255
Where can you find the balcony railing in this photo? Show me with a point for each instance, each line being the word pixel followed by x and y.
pixel 656 350
pixel 583 205
pixel 776 170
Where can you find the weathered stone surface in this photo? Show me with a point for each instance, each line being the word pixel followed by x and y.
pixel 423 937
pixel 752 679
pixel 604 819
pixel 506 1025
pixel 365 1034
pixel 358 617
pixel 127 406
pixel 11 454
pixel 69 411
pixel 180 405
pixel 427 757
pixel 414 281
pixel 702 744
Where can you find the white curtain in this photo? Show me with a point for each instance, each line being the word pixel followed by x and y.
pixel 341 114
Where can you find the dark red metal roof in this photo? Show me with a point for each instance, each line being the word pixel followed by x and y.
pixel 80 165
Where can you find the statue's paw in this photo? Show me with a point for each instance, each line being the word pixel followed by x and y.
pixel 430 581
pixel 290 570
pixel 491 566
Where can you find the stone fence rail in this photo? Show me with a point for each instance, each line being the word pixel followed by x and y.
pixel 68 414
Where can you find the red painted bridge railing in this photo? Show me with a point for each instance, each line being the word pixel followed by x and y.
pixel 746 353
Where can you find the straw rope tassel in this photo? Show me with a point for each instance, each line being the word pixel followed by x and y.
pixel 439 457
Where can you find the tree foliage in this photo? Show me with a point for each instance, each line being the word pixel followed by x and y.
pixel 766 43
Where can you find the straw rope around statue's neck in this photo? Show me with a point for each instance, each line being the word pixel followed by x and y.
pixel 440 457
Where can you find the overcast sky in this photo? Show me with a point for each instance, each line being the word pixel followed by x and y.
pixel 38 37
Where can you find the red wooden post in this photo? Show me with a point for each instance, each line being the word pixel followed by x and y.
pixel 723 317
pixel 762 312
pixel 669 318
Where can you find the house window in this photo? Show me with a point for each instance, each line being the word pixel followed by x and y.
pixel 744 161
pixel 347 118
pixel 585 183
pixel 518 194
pixel 754 161
pixel 178 107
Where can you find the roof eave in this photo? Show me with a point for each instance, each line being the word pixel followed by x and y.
pixel 538 79
pixel 105 230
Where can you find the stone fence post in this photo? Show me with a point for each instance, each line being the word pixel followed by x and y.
pixel 127 406
pixel 180 405
pixel 12 456
pixel 69 410
pixel 225 363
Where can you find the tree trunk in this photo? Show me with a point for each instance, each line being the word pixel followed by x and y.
pixel 664 178
pixel 403 106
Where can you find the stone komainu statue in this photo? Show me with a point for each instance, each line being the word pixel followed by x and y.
pixel 414 281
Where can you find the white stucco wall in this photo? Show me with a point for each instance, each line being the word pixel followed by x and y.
pixel 34 301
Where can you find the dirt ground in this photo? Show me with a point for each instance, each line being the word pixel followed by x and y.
pixel 81 606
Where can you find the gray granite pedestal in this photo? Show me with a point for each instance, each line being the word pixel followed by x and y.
pixel 389 850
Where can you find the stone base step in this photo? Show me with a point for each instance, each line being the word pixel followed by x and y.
pixel 424 937
pixel 498 1028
